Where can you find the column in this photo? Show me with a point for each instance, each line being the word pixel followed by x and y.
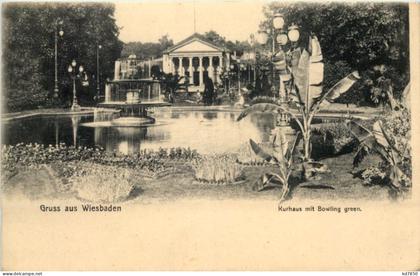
pixel 200 68
pixel 117 69
pixel 177 69
pixel 228 61
pixel 221 67
pixel 191 69
pixel 150 69
pixel 210 69
pixel 172 65
pixel 181 66
pixel 107 92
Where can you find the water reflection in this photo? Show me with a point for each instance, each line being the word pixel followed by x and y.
pixel 205 131
pixel 75 120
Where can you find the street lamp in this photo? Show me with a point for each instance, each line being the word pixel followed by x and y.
pixel 262 37
pixel 75 74
pixel 293 33
pixel 278 21
pixel 99 47
pixel 280 37
pixel 278 58
pixel 58 31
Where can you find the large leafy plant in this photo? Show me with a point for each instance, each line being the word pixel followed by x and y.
pixel 281 154
pixel 390 139
pixel 307 92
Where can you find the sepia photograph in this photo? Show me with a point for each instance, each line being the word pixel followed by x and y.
pixel 209 135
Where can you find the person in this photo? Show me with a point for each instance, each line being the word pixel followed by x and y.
pixel 208 91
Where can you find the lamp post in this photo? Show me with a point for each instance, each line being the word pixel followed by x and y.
pixel 278 57
pixel 237 75
pixel 57 32
pixel 98 48
pixel 279 36
pixel 74 73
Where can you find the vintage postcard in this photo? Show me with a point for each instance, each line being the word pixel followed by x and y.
pixel 210 135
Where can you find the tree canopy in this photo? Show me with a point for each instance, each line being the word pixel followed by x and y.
pixel 354 36
pixel 28 44
pixel 146 50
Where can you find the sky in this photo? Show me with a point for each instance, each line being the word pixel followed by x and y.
pixel 147 21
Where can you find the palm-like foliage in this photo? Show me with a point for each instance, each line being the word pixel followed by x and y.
pixel 307 93
pixel 379 141
pixel 394 151
pixel 280 154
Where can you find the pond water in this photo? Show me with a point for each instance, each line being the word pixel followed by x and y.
pixel 205 131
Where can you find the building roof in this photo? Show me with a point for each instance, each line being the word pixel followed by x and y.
pixel 195 37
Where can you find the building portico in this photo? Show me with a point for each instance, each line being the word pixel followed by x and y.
pixel 196 58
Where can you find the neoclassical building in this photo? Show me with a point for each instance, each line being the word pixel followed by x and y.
pixel 197 58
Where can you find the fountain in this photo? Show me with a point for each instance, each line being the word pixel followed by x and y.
pixel 105 114
pixel 128 96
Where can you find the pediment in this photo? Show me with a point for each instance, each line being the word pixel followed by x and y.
pixel 196 46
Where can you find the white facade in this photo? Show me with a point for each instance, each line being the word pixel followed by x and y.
pixel 196 58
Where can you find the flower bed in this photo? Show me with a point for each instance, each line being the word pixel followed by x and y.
pixel 103 183
pixel 94 173
pixel 217 169
pixel 35 154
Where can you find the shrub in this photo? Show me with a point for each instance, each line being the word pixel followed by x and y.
pixel 373 175
pixel 390 139
pixel 99 183
pixel 331 139
pixel 217 168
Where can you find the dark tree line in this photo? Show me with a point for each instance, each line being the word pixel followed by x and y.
pixel 28 51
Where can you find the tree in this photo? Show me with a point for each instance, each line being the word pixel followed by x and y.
pixel 355 36
pixel 147 50
pixel 214 37
pixel 29 41
pixel 233 46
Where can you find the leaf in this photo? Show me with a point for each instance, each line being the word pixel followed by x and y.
pixel 295 57
pixel 394 152
pixel 340 87
pixel 263 107
pixel 268 180
pixel 301 76
pixel 392 101
pixel 358 131
pixel 309 75
pixel 363 150
pixel 315 50
pixel 260 152
pixel 397 176
pixel 379 135
pixel 406 98
pixel 292 149
pixel 280 142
